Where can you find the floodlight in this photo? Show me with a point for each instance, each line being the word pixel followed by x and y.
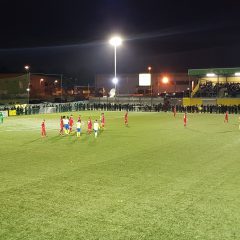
pixel 115 41
pixel 26 67
pixel 211 75
pixel 115 80
pixel 165 80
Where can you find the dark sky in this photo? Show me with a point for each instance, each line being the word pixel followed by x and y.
pixel 71 37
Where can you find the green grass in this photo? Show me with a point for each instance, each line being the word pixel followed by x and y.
pixel 152 180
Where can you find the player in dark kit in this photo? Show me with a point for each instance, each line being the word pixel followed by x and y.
pixel 174 111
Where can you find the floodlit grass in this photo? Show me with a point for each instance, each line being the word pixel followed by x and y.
pixel 152 180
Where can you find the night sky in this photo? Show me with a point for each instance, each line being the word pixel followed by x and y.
pixel 71 37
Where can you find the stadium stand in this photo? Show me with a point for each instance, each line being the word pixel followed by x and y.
pixel 210 89
pixel 218 82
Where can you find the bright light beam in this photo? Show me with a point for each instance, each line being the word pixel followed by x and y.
pixel 211 75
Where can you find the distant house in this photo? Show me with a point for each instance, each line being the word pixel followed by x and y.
pixel 18 87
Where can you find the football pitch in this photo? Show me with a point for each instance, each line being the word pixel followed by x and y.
pixel 154 179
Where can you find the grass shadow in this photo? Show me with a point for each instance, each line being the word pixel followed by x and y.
pixel 54 139
pixel 226 132
pixel 194 130
pixel 35 140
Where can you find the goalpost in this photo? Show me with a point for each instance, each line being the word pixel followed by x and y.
pixel 45 110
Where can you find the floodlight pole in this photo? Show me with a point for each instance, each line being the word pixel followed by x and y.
pixel 28 79
pixel 189 86
pixel 115 42
pixel 29 87
pixel 115 61
pixel 149 71
pixel 88 91
pixel 61 88
pixel 151 87
pixel 115 67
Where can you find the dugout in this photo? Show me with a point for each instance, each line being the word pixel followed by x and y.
pixel 220 79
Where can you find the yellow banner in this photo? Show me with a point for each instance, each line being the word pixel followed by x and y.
pixel 228 101
pixel 192 101
pixel 12 113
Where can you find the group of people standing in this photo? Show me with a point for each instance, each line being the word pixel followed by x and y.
pixel 67 125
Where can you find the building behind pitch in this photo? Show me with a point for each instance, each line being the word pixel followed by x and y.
pixel 128 84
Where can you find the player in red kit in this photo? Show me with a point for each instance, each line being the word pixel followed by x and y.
pixel 174 111
pixel 89 124
pixel 61 126
pixel 43 129
pixel 185 119
pixel 226 117
pixel 71 122
pixel 126 118
pixel 102 121
pixel 79 118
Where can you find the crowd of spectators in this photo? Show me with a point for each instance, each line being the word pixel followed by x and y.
pixel 235 109
pixel 166 107
pixel 210 89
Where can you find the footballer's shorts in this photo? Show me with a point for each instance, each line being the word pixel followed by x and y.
pixel 78 130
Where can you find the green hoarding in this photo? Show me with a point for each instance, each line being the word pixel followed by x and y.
pixel 217 71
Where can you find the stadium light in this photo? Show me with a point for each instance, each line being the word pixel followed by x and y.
pixel 211 75
pixel 165 80
pixel 27 67
pixel 115 42
pixel 115 81
pixel 237 74
pixel 149 71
